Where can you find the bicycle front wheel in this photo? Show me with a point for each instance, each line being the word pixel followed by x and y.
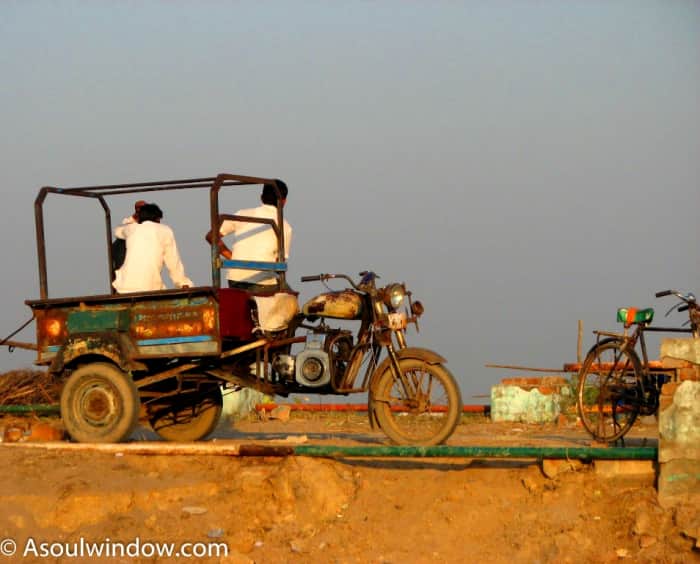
pixel 609 390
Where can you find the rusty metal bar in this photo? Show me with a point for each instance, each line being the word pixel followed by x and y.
pixel 165 375
pixel 579 343
pixel 244 348
pixel 215 235
pixel 19 345
pixel 525 368
pixel 40 241
pixel 655 365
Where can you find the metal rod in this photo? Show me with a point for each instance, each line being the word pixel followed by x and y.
pixel 19 345
pixel 580 453
pixel 515 367
pixel 35 408
pixel 359 407
pixel 331 451
pixel 579 344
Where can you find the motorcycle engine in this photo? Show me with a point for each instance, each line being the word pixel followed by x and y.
pixel 313 365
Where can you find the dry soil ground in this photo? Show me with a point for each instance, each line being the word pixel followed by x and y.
pixel 299 509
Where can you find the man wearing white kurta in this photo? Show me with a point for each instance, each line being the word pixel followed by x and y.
pixel 149 246
pixel 255 241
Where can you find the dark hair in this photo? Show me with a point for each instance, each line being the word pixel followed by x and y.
pixel 149 212
pixel 269 194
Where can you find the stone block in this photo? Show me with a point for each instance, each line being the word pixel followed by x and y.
pixel 680 422
pixel 681 349
pixel 679 482
pixel 513 403
pixel 640 471
pixel 679 446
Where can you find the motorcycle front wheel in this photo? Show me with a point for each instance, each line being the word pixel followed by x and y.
pixel 422 407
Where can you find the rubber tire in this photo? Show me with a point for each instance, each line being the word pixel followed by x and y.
pixel 101 386
pixel 209 404
pixel 386 418
pixel 584 414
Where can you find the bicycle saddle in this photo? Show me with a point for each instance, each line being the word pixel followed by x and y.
pixel 631 315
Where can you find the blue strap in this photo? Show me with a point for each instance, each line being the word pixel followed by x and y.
pixel 255 265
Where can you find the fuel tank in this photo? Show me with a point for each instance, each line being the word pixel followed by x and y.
pixel 345 304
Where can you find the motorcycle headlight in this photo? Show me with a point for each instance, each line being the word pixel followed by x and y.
pixel 394 295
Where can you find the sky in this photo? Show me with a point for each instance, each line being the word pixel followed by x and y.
pixel 521 165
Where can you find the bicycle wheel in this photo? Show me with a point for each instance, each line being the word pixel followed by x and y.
pixel 609 390
pixel 424 414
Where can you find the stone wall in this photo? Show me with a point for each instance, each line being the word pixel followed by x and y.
pixel 679 425
pixel 529 400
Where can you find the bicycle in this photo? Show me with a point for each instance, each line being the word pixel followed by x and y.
pixel 615 386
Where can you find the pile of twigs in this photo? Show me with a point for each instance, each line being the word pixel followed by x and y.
pixel 28 387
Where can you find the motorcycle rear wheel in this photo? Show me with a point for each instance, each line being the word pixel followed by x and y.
pixel 423 408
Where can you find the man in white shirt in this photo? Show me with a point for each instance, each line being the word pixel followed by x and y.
pixel 119 245
pixel 255 241
pixel 149 246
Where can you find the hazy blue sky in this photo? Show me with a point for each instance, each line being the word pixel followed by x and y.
pixel 519 164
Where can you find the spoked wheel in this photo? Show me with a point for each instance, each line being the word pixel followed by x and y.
pixel 99 404
pixel 190 415
pixel 422 407
pixel 609 390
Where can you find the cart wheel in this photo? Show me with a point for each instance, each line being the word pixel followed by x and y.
pixel 189 416
pixel 423 408
pixel 99 404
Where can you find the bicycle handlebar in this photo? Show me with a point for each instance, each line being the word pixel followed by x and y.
pixel 688 298
pixel 313 278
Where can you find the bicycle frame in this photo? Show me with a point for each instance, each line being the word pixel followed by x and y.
pixel 637 336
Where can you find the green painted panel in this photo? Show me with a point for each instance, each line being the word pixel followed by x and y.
pixel 94 321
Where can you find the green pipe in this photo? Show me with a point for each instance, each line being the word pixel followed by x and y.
pixel 580 453
pixel 36 408
pixel 330 451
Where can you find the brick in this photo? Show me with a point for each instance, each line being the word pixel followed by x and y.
pixel 689 373
pixel 669 388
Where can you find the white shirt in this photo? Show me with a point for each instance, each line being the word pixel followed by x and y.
pixel 149 245
pixel 255 241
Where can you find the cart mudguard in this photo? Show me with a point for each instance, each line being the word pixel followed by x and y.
pixel 426 355
pixel 113 347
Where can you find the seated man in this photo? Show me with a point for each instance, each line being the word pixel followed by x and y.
pixel 119 245
pixel 149 246
pixel 255 242
pixel 258 242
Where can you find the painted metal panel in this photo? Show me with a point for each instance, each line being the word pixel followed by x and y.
pixel 98 320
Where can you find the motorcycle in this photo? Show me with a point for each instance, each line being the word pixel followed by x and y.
pixel 412 396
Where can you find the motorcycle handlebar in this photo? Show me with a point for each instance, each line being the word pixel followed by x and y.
pixel 321 277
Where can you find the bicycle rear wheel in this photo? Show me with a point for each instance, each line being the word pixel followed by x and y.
pixel 609 390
